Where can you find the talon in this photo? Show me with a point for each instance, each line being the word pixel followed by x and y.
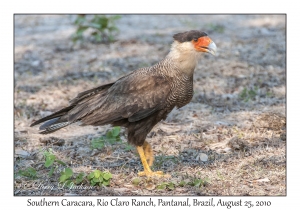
pixel 146 148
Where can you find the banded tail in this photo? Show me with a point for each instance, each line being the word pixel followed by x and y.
pixel 65 116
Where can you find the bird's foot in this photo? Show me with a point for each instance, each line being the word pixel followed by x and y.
pixel 152 173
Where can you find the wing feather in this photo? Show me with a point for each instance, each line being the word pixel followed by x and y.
pixel 134 97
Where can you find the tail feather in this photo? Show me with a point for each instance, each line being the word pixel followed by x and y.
pixel 48 123
pixel 54 127
pixel 54 115
pixel 62 118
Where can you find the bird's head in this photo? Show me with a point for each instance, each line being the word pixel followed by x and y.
pixel 195 41
pixel 186 49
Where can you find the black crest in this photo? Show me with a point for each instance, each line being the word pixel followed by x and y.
pixel 189 36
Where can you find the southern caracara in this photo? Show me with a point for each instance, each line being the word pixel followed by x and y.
pixel 142 98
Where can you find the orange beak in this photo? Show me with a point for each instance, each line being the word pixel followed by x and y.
pixel 205 44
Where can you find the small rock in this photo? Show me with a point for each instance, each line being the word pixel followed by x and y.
pixel 35 63
pixel 227 149
pixel 84 151
pixel 93 59
pixel 222 123
pixel 22 153
pixel 128 186
pixel 270 68
pixel 150 186
pixel 24 132
pixel 52 141
pixel 121 190
pixel 283 136
pixel 203 157
pixel 264 31
pixel 95 152
pixel 70 194
pixel 262 180
pixel 236 52
pixel 45 113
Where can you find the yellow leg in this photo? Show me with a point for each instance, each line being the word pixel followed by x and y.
pixel 148 153
pixel 147 171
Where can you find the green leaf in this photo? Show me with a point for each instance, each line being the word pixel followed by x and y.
pixel 68 172
pixel 106 183
pixel 103 21
pixel 97 173
pixel 79 178
pixel 80 30
pixel 161 186
pixel 63 178
pixel 96 179
pixel 109 134
pixel 116 131
pixel 61 162
pixel 182 183
pixel 76 38
pixel 49 162
pixel 97 143
pixel 102 24
pixel 79 20
pixel 197 182
pixel 50 158
pixel 111 38
pixel 48 153
pixel 69 183
pixel 94 33
pixel 136 181
pixel 111 140
pixel 95 25
pixel 51 171
pixel 112 28
pixel 252 93
pixel 118 138
pixel 243 94
pixel 128 147
pixel 107 176
pixel 98 37
pixel 115 17
pixel 28 172
pixel 91 175
pixel 93 183
pixel 31 171
pixel 171 186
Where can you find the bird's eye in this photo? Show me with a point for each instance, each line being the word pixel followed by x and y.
pixel 195 39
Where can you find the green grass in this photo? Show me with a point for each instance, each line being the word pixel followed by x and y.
pixel 248 94
pixel 216 27
pixel 28 172
pixel 51 160
pixel 111 137
pixel 102 27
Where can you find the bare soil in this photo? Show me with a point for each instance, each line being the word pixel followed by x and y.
pixel 237 116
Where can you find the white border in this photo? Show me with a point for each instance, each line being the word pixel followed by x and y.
pixel 155 6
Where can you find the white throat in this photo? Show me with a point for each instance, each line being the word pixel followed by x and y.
pixel 184 56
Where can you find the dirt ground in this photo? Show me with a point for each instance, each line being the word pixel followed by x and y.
pixel 232 135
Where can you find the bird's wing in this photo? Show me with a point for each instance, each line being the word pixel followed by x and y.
pixel 134 97
pixel 88 93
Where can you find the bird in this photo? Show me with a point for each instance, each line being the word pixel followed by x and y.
pixel 140 99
